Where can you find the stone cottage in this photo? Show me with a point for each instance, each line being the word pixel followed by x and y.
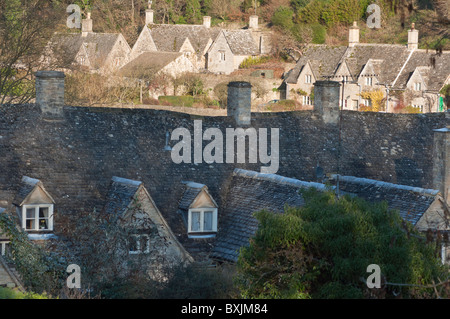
pixel 403 75
pixel 99 159
pixel 102 53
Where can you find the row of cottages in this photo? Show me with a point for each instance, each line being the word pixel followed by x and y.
pixel 62 162
pixel 160 48
pixel 209 48
pixel 403 75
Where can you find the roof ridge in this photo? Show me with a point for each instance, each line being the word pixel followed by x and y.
pixel 278 179
pixel 362 180
pixel 125 181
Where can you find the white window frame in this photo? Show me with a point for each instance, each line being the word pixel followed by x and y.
pixel 202 220
pixel 36 216
pixel 308 78
pixel 138 244
pixel 417 86
pixel 306 100
pixel 369 81
pixel 367 102
pixel 3 247
pixel 420 107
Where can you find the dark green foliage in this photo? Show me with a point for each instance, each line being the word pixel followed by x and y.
pixel 282 17
pixel 322 250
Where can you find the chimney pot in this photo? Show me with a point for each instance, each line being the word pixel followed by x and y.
pixel 253 22
pixel 413 37
pixel 149 16
pixel 86 25
pixel 207 21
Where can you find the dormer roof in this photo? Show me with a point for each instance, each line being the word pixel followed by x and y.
pixel 27 188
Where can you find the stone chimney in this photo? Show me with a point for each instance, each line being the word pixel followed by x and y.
pixel 50 93
pixel 413 38
pixel 86 25
pixel 239 102
pixel 326 100
pixel 253 22
pixel 207 21
pixel 353 35
pixel 441 161
pixel 148 16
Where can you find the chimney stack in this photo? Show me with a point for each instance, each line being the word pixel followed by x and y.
pixel 413 38
pixel 353 35
pixel 207 21
pixel 239 102
pixel 326 100
pixel 50 93
pixel 441 161
pixel 148 16
pixel 86 25
pixel 253 22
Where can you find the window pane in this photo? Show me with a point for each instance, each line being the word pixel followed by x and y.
pixel 208 221
pixel 31 213
pixel 30 224
pixel 43 212
pixel 195 221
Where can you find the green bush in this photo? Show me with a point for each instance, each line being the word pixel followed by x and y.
pixel 252 61
pixel 319 33
pixel 323 249
pixel 282 17
pixel 6 293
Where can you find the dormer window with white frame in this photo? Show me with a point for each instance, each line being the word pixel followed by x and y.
pixel 202 220
pixel 369 81
pixel 37 217
pixel 417 86
pixel 199 211
pixel 35 207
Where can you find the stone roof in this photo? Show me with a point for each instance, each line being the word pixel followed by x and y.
pixel 241 42
pixel 97 45
pixel 148 63
pixel 251 192
pixel 389 59
pixel 120 195
pixel 411 202
pixel 323 58
pixel 170 37
pixel 434 67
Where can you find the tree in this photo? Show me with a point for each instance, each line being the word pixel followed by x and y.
pixel 25 29
pixel 323 249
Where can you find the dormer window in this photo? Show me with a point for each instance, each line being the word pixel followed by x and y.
pixel 35 206
pixel 199 211
pixel 369 80
pixel 202 220
pixel 417 86
pixel 37 217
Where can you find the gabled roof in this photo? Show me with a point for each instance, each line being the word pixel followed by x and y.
pixel 438 66
pixel 324 60
pixel 411 202
pixel 148 63
pixel 97 45
pixel 170 37
pixel 27 187
pixel 250 192
pixel 121 194
pixel 241 42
